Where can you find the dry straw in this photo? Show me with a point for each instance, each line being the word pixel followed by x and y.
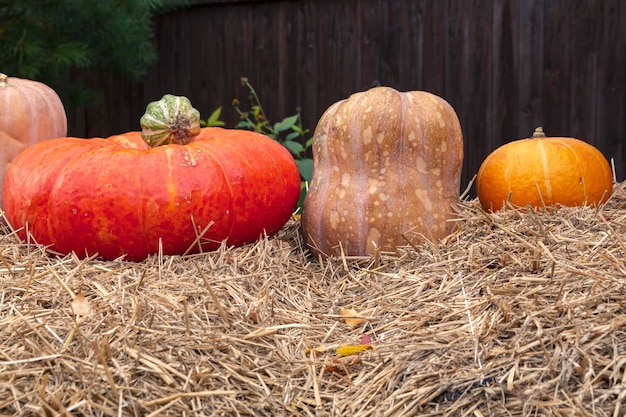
pixel 519 313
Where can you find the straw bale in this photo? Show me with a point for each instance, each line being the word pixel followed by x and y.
pixel 518 313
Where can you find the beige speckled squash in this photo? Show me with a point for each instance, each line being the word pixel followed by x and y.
pixel 387 169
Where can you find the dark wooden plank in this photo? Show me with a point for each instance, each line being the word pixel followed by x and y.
pixel 458 91
pixel 506 66
pixel 433 46
pixel 557 66
pixel 504 73
pixel 477 109
pixel 586 32
pixel 611 87
pixel 529 62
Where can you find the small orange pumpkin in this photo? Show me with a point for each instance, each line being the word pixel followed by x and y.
pixel 544 171
pixel 31 113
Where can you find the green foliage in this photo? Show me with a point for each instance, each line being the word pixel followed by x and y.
pixel 288 132
pixel 214 119
pixel 44 39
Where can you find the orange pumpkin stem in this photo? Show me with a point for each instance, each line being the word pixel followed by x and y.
pixel 539 133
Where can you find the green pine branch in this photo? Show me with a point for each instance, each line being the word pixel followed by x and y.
pixel 44 39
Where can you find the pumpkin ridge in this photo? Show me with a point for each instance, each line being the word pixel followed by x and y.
pixel 275 157
pixel 225 179
pixel 58 187
pixel 95 151
pixel 317 186
pixel 31 90
pixel 57 124
pixel 606 170
pixel 545 164
pixel 401 179
pixel 356 150
pixel 583 181
pixel 165 152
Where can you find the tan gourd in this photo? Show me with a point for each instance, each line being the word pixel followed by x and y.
pixel 387 170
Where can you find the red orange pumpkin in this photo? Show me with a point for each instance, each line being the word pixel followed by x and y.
pixel 119 196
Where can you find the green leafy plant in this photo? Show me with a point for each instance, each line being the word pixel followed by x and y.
pixel 288 132
pixel 214 119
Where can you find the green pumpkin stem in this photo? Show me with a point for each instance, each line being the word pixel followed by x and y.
pixel 171 120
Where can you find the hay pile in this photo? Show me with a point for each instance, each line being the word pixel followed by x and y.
pixel 517 314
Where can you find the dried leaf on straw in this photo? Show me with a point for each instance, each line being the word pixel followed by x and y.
pixel 81 306
pixel 317 349
pixel 352 317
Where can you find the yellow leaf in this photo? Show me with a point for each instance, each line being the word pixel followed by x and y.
pixel 81 306
pixel 347 350
pixel 352 317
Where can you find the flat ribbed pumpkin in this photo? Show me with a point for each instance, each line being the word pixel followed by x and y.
pixel 121 197
pixel 387 170
pixel 30 112
pixel 544 172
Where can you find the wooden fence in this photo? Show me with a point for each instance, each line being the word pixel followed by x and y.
pixel 506 66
